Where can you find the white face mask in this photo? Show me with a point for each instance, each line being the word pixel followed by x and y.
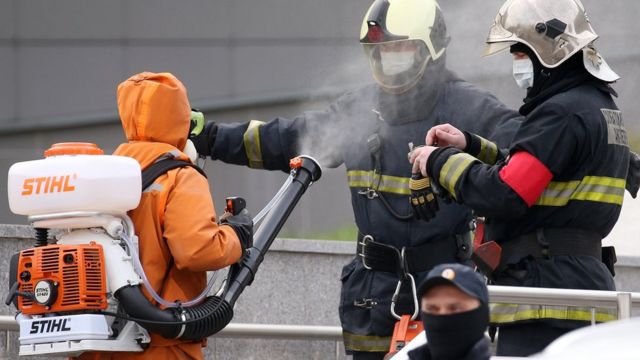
pixel 523 73
pixel 395 62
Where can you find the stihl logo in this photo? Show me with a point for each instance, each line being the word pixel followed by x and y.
pixel 48 184
pixel 46 326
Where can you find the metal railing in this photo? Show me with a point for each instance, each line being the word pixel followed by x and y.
pixel 233 330
pixel 624 302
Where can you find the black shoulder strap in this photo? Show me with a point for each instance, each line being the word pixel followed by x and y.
pixel 150 174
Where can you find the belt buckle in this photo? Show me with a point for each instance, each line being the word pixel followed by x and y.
pixel 365 240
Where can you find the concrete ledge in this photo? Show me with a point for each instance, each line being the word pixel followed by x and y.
pixel 629 261
pixel 11 232
pixel 315 246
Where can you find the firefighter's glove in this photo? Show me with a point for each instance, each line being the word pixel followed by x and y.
pixel 633 176
pixel 201 134
pixel 243 226
pixel 423 199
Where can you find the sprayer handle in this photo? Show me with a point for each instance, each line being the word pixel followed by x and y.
pixel 235 205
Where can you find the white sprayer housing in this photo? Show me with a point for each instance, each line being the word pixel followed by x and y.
pixel 65 182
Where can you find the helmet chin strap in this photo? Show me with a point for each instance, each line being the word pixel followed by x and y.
pixel 190 151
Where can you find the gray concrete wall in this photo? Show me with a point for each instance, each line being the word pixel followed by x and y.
pixel 297 284
pixel 64 58
pixel 61 61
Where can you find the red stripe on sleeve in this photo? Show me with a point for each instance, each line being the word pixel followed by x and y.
pixel 527 176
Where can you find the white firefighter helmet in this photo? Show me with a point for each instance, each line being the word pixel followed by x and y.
pixel 400 37
pixel 554 30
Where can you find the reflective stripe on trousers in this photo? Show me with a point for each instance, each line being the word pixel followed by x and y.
pixel 368 343
pixel 508 313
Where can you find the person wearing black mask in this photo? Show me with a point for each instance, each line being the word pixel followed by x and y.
pixel 455 312
pixel 551 198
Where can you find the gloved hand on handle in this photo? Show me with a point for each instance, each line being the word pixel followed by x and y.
pixel 242 223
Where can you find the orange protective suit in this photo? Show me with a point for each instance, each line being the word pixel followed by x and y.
pixel 175 220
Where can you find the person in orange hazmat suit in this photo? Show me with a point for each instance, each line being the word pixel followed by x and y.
pixel 179 237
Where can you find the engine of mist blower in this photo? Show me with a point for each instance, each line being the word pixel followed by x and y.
pixel 60 278
pixel 62 284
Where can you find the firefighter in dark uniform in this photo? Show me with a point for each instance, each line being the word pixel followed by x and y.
pixel 558 190
pixel 369 131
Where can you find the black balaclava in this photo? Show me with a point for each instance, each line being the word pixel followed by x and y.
pixel 548 82
pixel 452 336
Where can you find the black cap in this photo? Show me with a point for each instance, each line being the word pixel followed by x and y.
pixel 460 276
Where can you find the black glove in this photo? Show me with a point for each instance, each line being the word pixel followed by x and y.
pixel 423 199
pixel 243 226
pixel 633 176
pixel 203 136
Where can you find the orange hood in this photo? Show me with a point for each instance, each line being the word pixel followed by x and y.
pixel 154 108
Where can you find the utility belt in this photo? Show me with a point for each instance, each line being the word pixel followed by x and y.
pixel 544 243
pixel 407 261
pixel 414 259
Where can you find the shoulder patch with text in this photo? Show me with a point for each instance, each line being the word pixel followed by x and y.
pixel 617 134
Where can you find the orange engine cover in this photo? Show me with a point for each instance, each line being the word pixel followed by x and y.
pixel 62 278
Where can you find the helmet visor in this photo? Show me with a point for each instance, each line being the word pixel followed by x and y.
pixel 494 48
pixel 397 64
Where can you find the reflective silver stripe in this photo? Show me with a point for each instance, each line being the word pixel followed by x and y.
pixel 590 188
pixel 252 148
pixel 488 151
pixel 453 169
pixel 560 189
pixel 387 183
pixel 508 313
pixel 369 343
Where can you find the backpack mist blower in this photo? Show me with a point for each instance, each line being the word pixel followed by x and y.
pixel 63 288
